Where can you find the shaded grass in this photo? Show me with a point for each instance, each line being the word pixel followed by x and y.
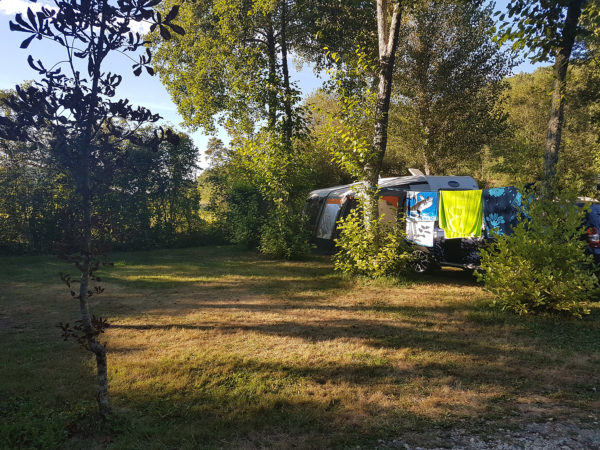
pixel 219 348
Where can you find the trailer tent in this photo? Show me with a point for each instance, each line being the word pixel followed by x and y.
pixel 325 207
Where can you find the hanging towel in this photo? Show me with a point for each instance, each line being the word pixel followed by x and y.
pixel 421 214
pixel 500 210
pixel 461 213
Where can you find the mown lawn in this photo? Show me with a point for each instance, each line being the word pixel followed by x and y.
pixel 220 348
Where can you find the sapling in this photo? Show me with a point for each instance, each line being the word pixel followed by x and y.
pixel 74 103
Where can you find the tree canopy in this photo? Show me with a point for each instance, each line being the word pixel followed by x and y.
pixel 449 85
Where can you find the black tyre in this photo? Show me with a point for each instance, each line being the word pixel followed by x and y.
pixel 423 262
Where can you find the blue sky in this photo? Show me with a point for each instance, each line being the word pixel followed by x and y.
pixel 144 90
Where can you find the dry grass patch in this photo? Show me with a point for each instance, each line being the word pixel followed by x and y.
pixel 219 348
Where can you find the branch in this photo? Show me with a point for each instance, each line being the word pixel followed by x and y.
pixel 382 28
pixel 389 46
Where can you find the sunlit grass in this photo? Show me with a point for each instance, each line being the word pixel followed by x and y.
pixel 220 348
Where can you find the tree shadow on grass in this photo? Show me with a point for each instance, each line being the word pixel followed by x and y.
pixel 507 356
pixel 252 402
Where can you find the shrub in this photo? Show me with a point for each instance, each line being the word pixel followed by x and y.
pixel 377 251
pixel 283 235
pixel 246 213
pixel 543 266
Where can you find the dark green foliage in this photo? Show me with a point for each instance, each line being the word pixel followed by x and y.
pixel 517 156
pixel 149 198
pixel 246 214
pixel 284 235
pixel 550 30
pixel 231 69
pixel 536 27
pixel 153 199
pixel 543 266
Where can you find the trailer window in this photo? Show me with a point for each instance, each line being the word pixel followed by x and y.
pixel 313 206
pixel 328 218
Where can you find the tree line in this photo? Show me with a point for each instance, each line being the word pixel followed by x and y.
pixel 454 109
pixel 143 197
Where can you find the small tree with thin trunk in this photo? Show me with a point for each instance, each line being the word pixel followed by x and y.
pixel 74 104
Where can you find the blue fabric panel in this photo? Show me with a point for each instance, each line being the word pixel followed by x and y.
pixel 500 210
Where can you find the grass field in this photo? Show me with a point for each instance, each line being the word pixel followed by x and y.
pixel 220 348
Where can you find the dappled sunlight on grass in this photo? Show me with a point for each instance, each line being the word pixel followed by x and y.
pixel 222 348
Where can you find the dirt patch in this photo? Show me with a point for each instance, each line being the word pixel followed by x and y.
pixel 549 435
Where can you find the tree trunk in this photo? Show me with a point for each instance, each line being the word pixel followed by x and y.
pixel 426 166
pixel 287 100
pixel 272 88
pixel 421 83
pixel 388 43
pixel 86 245
pixel 86 249
pixel 561 64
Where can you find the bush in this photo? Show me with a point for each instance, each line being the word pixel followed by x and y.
pixel 283 235
pixel 245 217
pixel 543 266
pixel 377 251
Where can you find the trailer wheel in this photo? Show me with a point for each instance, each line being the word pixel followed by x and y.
pixel 423 262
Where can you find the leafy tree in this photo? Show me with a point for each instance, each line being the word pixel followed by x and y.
pixel 389 16
pixel 549 30
pixel 341 27
pixel 324 117
pixel 374 246
pixel 148 197
pixel 231 69
pixel 34 206
pixel 75 108
pixel 448 86
pixel 281 175
pixel 152 196
pixel 518 156
pixel 357 66
pixel 237 203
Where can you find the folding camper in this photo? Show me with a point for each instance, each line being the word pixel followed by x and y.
pixel 325 207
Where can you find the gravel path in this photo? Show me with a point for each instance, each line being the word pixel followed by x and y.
pixel 567 435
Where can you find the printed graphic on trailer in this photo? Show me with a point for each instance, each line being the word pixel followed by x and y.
pixel 420 233
pixel 422 206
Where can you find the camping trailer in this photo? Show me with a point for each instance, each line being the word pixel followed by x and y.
pixel 325 207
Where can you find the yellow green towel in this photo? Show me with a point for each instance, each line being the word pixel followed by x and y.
pixel 461 213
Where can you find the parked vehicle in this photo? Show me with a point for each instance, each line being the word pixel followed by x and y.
pixel 400 197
